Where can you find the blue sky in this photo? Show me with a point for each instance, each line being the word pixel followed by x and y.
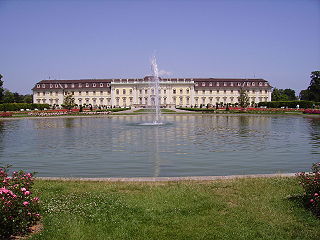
pixel 276 40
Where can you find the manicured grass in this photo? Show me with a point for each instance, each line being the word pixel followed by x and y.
pixel 228 209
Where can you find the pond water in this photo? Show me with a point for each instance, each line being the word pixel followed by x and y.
pixel 187 145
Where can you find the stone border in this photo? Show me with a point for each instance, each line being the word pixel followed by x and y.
pixel 169 179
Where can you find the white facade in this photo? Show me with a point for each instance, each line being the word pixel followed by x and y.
pixel 183 92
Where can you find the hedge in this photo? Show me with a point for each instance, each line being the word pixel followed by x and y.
pixel 18 106
pixel 289 104
pixel 198 109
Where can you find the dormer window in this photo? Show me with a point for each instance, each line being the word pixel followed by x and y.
pixel 196 84
pixel 266 84
pixel 94 85
pixel 38 85
pixel 51 86
pixel 174 91
pixel 43 85
pixel 203 84
pixel 248 83
pixel 101 84
pixel 210 84
pixel 108 84
pixel 239 84
pixel 253 84
pixel 260 83
pixel 224 84
pixel 217 84
pixel 72 85
pixel 87 84
pixel 231 84
pixel 66 85
pixel 56 85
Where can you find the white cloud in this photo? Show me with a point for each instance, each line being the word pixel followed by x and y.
pixel 164 73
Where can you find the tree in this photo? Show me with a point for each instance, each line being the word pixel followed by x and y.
pixel 1 89
pixel 243 99
pixel 312 93
pixel 68 102
pixel 28 98
pixel 8 96
pixel 283 95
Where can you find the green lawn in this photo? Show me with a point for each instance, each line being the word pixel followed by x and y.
pixel 147 110
pixel 228 209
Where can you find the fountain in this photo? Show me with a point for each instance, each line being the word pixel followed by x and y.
pixel 156 87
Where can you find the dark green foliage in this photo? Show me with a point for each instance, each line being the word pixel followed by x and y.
pixel 313 91
pixel 198 109
pixel 311 185
pixel 243 99
pixel 289 104
pixel 1 88
pixel 283 95
pixel 18 106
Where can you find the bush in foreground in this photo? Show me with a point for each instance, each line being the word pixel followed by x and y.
pixel 311 185
pixel 19 210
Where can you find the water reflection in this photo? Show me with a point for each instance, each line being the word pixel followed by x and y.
pixel 190 145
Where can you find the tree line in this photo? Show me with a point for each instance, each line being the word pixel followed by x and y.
pixel 6 96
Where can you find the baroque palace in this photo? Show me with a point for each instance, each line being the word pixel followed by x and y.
pixel 173 92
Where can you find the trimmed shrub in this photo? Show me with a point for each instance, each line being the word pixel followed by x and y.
pixel 311 185
pixel 289 104
pixel 19 210
pixel 18 106
pixel 198 109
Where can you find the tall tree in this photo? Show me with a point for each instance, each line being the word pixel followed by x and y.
pixel 68 102
pixel 1 89
pixel 283 94
pixel 243 99
pixel 312 93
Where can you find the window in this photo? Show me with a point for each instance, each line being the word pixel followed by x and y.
pixel 231 84
pixel 72 92
pixel 80 85
pixel 217 91
pixel 253 84
pixel 56 93
pixel 140 91
pixel 101 92
pixel 203 84
pixel 224 84
pixel 152 91
pixel 38 85
pixel 146 91
pixel 181 91
pixel 38 93
pixel 196 91
pixel 218 84
pixel 94 92
pixel 123 91
pixel 50 93
pixel 43 85
pixel 196 84
pixel 203 91
pixel 265 91
pixel 101 84
pixel 164 91
pixel 72 85
pixel 174 91
pixel 188 101
pixel 79 92
pixel 225 91
pixel 210 91
pixel 43 93
pixel 87 84
pixel 66 85
pixel 117 91
pixel 51 86
pixel 187 90
pixel 231 91
pixel 130 91
pixel 87 93
pixel 210 84
pixel 94 85
pixel 56 85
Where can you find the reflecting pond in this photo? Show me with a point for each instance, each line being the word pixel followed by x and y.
pixel 188 145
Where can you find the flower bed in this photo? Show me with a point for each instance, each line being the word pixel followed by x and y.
pixel 311 185
pixel 312 111
pixel 6 114
pixel 19 209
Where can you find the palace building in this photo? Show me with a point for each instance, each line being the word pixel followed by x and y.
pixel 173 92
